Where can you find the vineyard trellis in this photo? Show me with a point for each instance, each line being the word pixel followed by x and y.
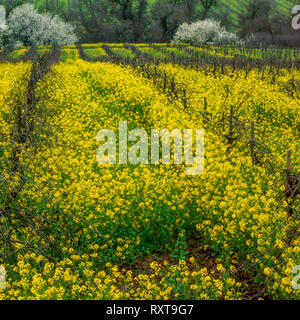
pixel 146 64
pixel 228 126
pixel 237 129
pixel 29 126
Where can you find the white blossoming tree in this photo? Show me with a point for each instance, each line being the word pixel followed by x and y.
pixel 205 32
pixel 3 25
pixel 27 26
pixel 2 18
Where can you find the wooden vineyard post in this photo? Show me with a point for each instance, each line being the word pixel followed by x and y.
pixel 165 81
pixel 230 133
pixel 292 184
pixel 205 106
pixel 293 86
pixel 289 182
pixel 184 99
pixel 173 85
pixel 293 89
pixel 205 113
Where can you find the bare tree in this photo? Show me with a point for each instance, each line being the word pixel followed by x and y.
pixel 255 17
pixel 207 5
pixel 170 15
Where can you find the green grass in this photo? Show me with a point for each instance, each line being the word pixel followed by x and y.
pixel 18 53
pixel 123 52
pixel 154 53
pixel 94 52
pixel 69 53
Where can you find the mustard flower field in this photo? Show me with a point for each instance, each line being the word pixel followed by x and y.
pixel 71 228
